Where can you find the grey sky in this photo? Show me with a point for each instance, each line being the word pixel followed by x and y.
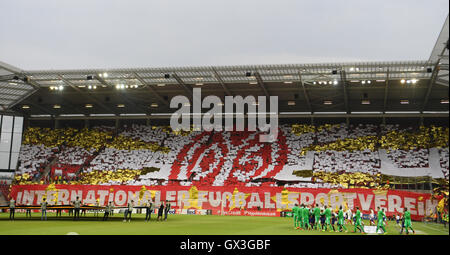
pixel 63 34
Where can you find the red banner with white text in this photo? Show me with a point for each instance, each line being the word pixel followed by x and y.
pixel 267 201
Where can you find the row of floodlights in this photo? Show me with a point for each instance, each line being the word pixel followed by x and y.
pixel 290 103
pixel 413 81
pixel 60 87
pixel 335 82
pixel 123 86
pixel 57 106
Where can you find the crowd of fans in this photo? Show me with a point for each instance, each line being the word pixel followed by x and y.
pixel 365 161
pixel 33 158
pixel 417 158
pixel 102 155
pixel 297 138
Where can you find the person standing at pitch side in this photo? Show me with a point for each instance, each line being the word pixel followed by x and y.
pixel 160 212
pixel 77 205
pixel 12 208
pixel 97 204
pixel 108 210
pixel 148 212
pixel 44 209
pixel 28 212
pixel 166 209
pixel 128 211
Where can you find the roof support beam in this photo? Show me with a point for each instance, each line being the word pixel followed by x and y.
pixel 33 83
pixel 10 68
pixel 261 84
pixel 152 90
pixel 430 86
pixel 305 93
pixel 386 88
pixel 439 43
pixel 17 72
pixel 441 82
pixel 8 77
pixel 444 66
pixel 7 99
pixel 344 87
pixel 222 83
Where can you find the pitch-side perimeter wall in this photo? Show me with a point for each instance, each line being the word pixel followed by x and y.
pixel 264 201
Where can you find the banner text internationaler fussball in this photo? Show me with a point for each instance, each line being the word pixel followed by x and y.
pixel 228 199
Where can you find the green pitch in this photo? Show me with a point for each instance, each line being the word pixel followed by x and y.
pixel 178 225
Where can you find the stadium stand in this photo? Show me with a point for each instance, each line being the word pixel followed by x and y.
pixel 33 158
pixel 357 161
pixel 410 158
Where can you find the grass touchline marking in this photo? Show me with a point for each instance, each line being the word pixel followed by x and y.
pixel 439 230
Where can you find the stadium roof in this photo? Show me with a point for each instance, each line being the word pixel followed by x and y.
pixel 12 88
pixel 440 54
pixel 402 87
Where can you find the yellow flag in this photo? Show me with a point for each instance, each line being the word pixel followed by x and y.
pixel 441 205
pixel 193 197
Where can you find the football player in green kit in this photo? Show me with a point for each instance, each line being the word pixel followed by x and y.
pixel 305 217
pixel 341 220
pixel 327 218
pixel 407 216
pixel 300 216
pixel 358 222
pixel 295 216
pixel 316 213
pixel 380 224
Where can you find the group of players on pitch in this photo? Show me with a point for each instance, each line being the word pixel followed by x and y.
pixel 163 208
pixel 316 218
